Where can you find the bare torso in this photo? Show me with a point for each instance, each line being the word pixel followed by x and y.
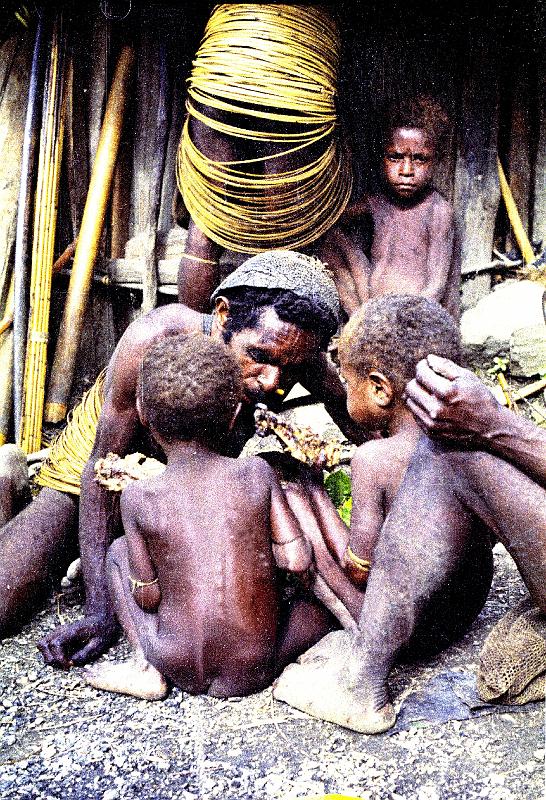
pixel 216 623
pixel 411 250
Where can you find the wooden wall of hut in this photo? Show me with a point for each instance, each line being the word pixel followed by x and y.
pixel 486 69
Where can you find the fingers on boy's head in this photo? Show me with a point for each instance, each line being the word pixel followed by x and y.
pixel 392 334
pixel 189 387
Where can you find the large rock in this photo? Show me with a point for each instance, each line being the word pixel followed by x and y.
pixel 488 327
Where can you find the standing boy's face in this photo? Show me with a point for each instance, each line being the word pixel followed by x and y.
pixel 408 162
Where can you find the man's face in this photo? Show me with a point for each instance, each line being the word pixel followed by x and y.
pixel 408 162
pixel 271 353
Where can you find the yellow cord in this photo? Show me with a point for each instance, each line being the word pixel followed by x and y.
pixel 360 563
pixel 276 63
pixel 70 452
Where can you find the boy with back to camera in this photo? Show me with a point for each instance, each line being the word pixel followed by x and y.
pixel 399 241
pixel 379 350
pixel 194 580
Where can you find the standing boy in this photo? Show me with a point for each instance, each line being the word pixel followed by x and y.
pixel 399 241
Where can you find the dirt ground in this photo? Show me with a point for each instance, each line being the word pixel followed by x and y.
pixel 61 739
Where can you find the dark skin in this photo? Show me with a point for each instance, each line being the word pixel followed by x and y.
pixel 197 279
pixel 213 622
pixel 272 355
pixel 412 243
pixel 451 491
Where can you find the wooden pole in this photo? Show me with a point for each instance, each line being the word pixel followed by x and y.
pixel 151 138
pixel 476 196
pixel 45 217
pixel 23 236
pixel 514 217
pixel 88 240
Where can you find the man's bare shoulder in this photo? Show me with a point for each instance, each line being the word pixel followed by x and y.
pixel 164 321
pixel 137 338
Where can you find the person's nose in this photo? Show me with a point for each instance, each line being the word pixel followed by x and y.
pixel 407 166
pixel 269 377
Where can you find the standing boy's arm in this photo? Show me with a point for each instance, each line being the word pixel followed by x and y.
pixel 142 572
pixel 440 252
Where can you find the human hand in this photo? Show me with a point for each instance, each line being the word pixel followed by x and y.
pixel 79 642
pixel 451 402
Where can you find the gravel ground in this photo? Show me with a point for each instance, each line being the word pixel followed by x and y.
pixel 62 739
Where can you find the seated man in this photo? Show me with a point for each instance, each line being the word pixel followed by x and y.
pixel 399 241
pixel 482 460
pixel 379 351
pixel 276 313
pixel 206 618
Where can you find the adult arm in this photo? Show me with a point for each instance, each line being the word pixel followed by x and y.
pixel 86 639
pixel 452 403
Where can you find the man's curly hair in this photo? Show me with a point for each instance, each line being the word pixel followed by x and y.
pixel 419 112
pixel 247 304
pixel 392 334
pixel 189 388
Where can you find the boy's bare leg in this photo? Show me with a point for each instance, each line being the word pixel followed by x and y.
pixel 36 546
pixel 306 623
pixel 136 677
pixel 407 578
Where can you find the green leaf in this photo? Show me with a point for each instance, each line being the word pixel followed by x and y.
pixel 338 486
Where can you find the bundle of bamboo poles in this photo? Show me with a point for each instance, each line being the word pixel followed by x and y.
pixel 87 246
pixel 45 216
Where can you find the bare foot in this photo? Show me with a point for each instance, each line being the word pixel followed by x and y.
pixel 317 686
pixel 136 678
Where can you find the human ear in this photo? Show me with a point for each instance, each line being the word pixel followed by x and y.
pixel 221 311
pixel 381 389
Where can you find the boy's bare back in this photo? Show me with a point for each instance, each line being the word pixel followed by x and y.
pixel 211 547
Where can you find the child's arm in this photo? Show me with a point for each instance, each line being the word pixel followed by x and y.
pixel 350 268
pixel 142 576
pixel 353 549
pixel 440 252
pixel 291 550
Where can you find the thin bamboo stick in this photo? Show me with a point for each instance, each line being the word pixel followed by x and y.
pixel 6 369
pixel 514 217
pixel 88 241
pixel 24 210
pixel 45 217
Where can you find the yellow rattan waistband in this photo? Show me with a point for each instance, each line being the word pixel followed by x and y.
pixel 70 452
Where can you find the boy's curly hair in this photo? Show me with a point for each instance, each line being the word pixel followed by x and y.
pixel 392 334
pixel 189 388
pixel 422 112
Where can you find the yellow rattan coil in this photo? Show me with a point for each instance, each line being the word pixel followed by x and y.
pixel 276 63
pixel 70 452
